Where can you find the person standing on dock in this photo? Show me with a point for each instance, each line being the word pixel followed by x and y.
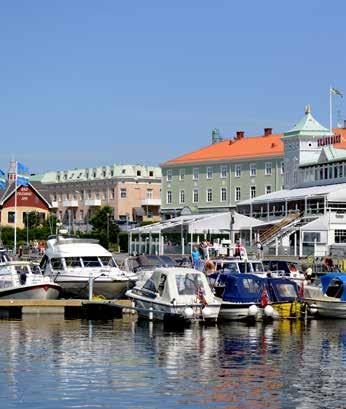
pixel 196 258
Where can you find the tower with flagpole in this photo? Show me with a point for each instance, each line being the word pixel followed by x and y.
pixel 332 91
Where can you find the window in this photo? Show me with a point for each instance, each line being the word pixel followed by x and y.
pixel 73 262
pixel 209 172
pixel 81 214
pixel 237 193
pixel 181 174
pixel 209 195
pixel 123 193
pixel 268 168
pixel 169 196
pixel 282 170
pixel 97 195
pixel 112 173
pixel 151 173
pixel 112 193
pixel 139 173
pixel 237 171
pixel 195 197
pixel 340 236
pixel 123 171
pixel 149 193
pixel 223 195
pixel 57 264
pixel 91 262
pixel 169 175
pixel 252 192
pixel 310 237
pixel 182 196
pixel 195 174
pixel 268 189
pixel 223 172
pixel 253 170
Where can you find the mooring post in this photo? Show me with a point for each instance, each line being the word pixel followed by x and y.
pixel 151 315
pixel 91 282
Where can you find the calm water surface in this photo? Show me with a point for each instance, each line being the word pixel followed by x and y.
pixel 54 363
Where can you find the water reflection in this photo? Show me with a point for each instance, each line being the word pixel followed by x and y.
pixel 48 362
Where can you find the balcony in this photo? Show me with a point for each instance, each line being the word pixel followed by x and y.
pixel 151 202
pixel 70 203
pixel 55 204
pixel 92 202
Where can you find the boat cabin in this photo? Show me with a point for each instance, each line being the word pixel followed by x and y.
pixel 177 285
pixel 333 285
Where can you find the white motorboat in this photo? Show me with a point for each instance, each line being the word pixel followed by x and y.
pixel 23 280
pixel 328 299
pixel 73 263
pixel 176 293
pixel 144 265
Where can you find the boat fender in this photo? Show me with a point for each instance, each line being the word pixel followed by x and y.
pixel 313 309
pixel 188 312
pixel 252 310
pixel 268 310
pixel 206 312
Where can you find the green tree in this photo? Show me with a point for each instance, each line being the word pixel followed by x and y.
pixel 104 227
pixel 32 220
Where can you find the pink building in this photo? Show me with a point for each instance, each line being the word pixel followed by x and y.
pixel 133 191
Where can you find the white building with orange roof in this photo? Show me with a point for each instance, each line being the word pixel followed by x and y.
pixel 219 176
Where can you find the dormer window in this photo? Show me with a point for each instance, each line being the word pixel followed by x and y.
pixel 123 171
pixel 139 173
pixel 151 173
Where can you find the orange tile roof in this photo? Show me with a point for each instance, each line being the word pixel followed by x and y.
pixel 247 147
pixel 342 132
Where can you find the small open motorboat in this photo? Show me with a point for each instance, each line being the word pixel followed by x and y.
pixel 176 294
pixel 328 299
pixel 24 280
pixel 249 297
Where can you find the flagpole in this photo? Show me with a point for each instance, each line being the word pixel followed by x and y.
pixel 15 212
pixel 330 109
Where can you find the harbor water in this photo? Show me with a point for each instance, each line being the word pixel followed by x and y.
pixel 48 362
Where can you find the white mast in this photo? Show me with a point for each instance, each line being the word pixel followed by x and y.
pixel 15 212
pixel 330 110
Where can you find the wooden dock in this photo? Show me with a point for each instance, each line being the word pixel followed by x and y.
pixel 94 309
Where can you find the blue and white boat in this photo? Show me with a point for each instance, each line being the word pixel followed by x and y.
pixel 248 297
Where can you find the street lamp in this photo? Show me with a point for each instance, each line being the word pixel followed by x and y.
pixel 108 216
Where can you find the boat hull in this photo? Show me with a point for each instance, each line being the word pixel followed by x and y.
pixel 31 292
pixel 239 312
pixel 150 309
pixel 287 310
pixel 107 289
pixel 328 308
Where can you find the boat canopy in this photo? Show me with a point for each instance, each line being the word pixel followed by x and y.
pixel 246 288
pixel 336 279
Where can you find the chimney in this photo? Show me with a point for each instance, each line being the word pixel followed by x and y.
pixel 239 135
pixel 215 136
pixel 268 131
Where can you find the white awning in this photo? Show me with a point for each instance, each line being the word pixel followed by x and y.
pixel 332 192
pixel 203 223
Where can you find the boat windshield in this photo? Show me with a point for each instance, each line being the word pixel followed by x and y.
pixel 73 262
pixel 91 262
pixel 108 261
pixel 286 290
pixel 244 267
pixel 227 267
pixel 57 264
pixel 35 269
pixel 189 284
pixel 257 267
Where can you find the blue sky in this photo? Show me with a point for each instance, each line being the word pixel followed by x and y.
pixel 87 83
